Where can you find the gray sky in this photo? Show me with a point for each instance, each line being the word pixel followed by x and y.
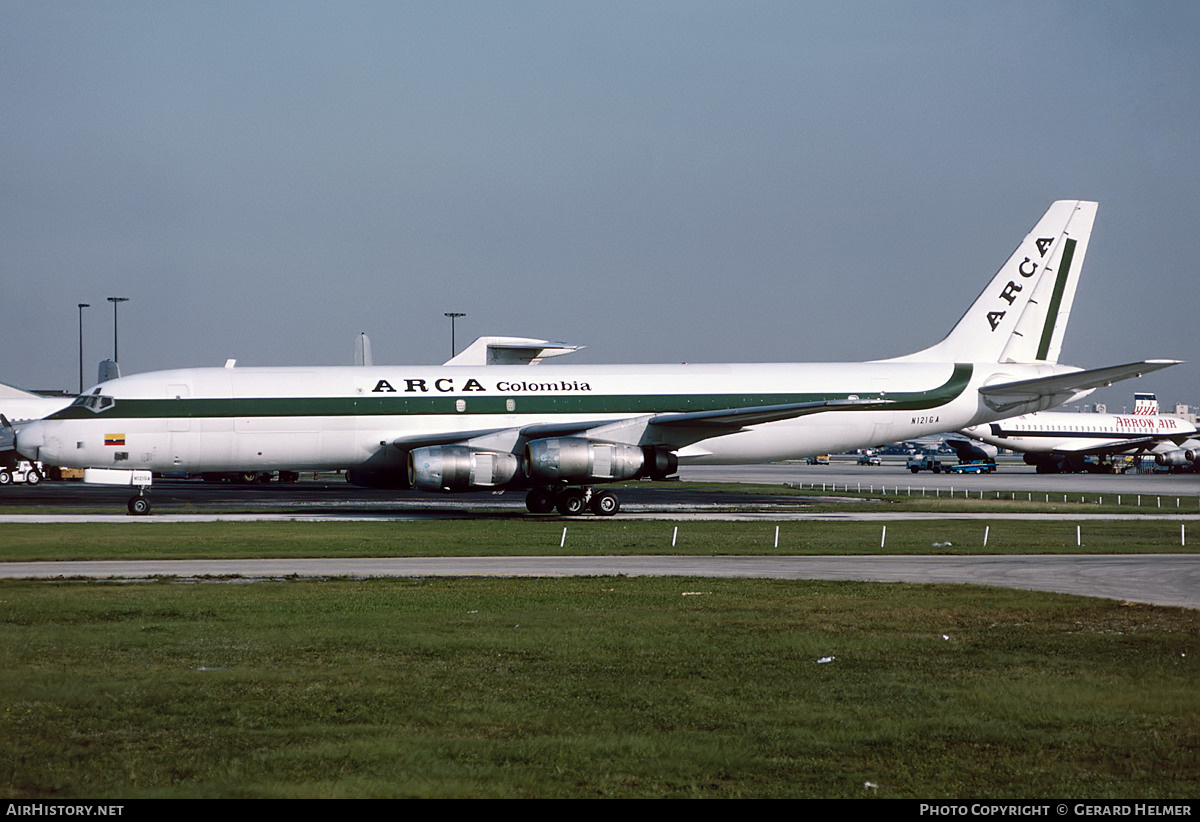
pixel 660 181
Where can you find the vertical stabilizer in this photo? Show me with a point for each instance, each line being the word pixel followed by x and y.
pixel 1022 314
pixel 1145 405
pixel 108 370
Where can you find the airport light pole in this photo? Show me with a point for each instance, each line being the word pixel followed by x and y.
pixel 453 315
pixel 114 301
pixel 81 307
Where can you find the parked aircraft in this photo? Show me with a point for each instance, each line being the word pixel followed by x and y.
pixel 1058 441
pixel 560 430
pixel 22 406
pixel 18 407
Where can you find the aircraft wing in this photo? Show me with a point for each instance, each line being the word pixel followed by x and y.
pixel 1154 442
pixel 1109 447
pixel 673 429
pixel 968 450
pixel 1004 396
pixel 737 418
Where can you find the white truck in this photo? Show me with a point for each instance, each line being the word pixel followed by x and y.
pixel 924 462
pixel 23 472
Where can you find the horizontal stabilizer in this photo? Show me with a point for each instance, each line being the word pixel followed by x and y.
pixel 1004 396
pixel 510 351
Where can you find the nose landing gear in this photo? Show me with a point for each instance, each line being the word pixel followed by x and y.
pixel 139 505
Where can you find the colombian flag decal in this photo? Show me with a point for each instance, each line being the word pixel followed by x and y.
pixel 114 439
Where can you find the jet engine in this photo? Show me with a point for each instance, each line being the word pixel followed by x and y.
pixel 1178 457
pixel 573 460
pixel 660 463
pixel 459 468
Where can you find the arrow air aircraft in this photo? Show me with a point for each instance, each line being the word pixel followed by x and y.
pixel 561 430
pixel 1058 441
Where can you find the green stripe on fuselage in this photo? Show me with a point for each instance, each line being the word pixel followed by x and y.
pixel 524 404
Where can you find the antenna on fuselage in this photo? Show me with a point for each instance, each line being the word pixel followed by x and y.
pixel 362 349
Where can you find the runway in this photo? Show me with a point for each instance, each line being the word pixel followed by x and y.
pixel 1010 476
pixel 1162 579
pixel 1156 496
pixel 1165 579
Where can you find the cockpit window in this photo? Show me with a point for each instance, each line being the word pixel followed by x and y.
pixel 95 402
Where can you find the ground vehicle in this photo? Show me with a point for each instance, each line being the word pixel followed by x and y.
pixel 869 459
pixel 924 462
pixel 823 459
pixel 973 467
pixel 23 472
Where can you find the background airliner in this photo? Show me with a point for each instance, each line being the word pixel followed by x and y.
pixel 18 407
pixel 560 430
pixel 1058 441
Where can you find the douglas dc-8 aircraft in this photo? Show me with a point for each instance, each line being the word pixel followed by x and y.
pixel 1057 441
pixel 559 430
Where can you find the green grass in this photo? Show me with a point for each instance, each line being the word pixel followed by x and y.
pixel 141 539
pixel 609 687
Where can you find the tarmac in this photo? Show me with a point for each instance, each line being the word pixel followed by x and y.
pixel 1160 579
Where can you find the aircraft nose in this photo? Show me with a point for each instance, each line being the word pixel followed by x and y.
pixel 29 440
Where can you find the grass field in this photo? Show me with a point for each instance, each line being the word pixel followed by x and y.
pixel 541 536
pixel 589 687
pixel 608 687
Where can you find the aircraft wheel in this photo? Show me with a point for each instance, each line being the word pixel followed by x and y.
pixel 5 478
pixel 539 501
pixel 570 503
pixel 138 506
pixel 605 504
pixel 32 478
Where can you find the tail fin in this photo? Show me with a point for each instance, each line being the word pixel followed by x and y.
pixel 1145 405
pixel 1022 314
pixel 109 370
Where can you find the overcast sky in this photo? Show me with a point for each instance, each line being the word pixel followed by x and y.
pixel 660 181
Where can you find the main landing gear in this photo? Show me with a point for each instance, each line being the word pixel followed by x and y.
pixel 572 502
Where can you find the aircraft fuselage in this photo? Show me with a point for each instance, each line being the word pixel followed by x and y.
pixel 325 418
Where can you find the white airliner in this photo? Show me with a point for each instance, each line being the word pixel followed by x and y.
pixel 1058 441
pixel 18 407
pixel 559 430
